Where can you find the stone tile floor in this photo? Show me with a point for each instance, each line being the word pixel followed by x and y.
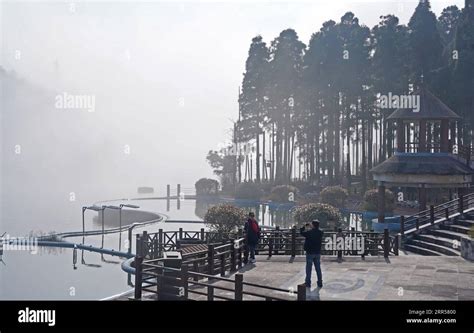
pixel 402 278
pixel 408 277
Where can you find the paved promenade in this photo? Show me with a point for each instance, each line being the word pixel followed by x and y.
pixel 403 278
pixel 407 277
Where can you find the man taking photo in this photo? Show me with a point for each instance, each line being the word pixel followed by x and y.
pixel 312 245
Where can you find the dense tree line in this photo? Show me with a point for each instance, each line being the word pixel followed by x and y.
pixel 311 110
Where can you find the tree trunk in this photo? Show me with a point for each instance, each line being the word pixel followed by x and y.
pixel 337 143
pixel 257 158
pixel 292 153
pixel 264 160
pixel 348 147
pixel 316 150
pixel 278 165
pixel 330 146
pixel 357 138
pixel 364 155
pixel 272 154
pixel 370 135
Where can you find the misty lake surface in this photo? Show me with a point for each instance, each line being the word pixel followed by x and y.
pixel 51 274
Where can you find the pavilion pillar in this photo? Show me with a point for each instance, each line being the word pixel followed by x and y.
pixel 452 140
pixel 400 136
pixel 381 202
pixel 422 197
pixel 462 191
pixel 422 137
pixel 444 135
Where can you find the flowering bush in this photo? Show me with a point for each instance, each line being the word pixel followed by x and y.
pixel 283 193
pixel 371 199
pixel 334 195
pixel 317 211
pixel 224 218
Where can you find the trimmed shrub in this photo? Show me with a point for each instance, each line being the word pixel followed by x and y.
pixel 224 218
pixel 265 187
pixel 206 186
pixel 371 199
pixel 304 187
pixel 323 212
pixel 248 191
pixel 283 193
pixel 334 195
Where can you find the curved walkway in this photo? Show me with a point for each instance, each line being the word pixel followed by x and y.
pixel 56 239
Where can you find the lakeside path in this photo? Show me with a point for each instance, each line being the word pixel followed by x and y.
pixel 407 277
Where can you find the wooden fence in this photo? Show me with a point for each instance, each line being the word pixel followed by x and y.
pixel 272 242
pixel 167 283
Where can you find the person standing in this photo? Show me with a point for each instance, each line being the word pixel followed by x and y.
pixel 252 231
pixel 312 245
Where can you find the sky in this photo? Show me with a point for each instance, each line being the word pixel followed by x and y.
pixel 165 75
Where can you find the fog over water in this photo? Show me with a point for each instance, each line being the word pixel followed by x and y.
pixel 163 78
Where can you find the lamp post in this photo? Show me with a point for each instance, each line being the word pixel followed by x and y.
pixel 119 208
pixel 96 209
pixel 120 222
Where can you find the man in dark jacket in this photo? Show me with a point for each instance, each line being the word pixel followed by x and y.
pixel 312 245
pixel 252 231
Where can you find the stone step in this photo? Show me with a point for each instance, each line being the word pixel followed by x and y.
pixel 468 217
pixel 420 250
pixel 455 227
pixel 444 250
pixel 465 222
pixel 443 241
pixel 446 234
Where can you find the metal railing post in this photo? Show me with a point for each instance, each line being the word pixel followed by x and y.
pixel 270 243
pixel 386 243
pixel 239 287
pixel 293 242
pixel 402 224
pixel 302 292
pixel 233 263
pixel 210 258
pixel 160 240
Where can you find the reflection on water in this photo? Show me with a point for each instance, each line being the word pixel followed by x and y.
pixel 57 273
pixel 280 214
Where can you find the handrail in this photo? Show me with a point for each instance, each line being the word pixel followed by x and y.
pixel 226 255
pixel 436 214
pixel 182 279
pixel 272 242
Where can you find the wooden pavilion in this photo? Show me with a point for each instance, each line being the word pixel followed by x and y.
pixel 427 153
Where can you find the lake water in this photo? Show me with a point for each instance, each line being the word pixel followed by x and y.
pixel 51 273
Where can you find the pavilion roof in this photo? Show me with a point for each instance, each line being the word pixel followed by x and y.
pixel 422 164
